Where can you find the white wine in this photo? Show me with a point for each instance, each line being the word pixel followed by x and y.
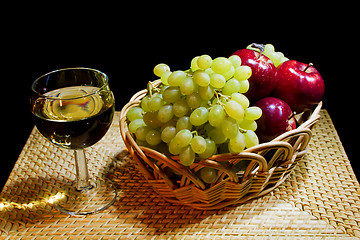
pixel 73 106
pixel 74 117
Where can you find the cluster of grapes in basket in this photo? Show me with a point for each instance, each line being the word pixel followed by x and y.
pixel 198 112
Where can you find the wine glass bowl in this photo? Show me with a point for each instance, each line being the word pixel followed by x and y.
pixel 73 108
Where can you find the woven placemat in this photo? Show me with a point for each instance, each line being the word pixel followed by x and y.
pixel 320 199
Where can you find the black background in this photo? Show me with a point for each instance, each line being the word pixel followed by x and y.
pixel 127 45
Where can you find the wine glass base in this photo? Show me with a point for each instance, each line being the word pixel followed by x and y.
pixel 97 198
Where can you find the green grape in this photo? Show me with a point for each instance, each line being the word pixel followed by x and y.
pixel 209 71
pixel 268 49
pixel 274 57
pixel 208 175
pixel 251 139
pixel 168 134
pixel 160 69
pixel 153 137
pixel 163 88
pixel 229 127
pixel 221 65
pixel 155 102
pixel 151 119
pixel 134 113
pixel 183 138
pixel 187 156
pixel 204 62
pixel 217 80
pixel 199 116
pixel 242 73
pixel 244 86
pixel 241 98
pixel 283 59
pixel 141 132
pixel 216 115
pixel 180 107
pixel 277 59
pixel 248 124
pixel 231 86
pixel 164 77
pixel 210 149
pixel 206 93
pixel 194 65
pixel 217 135
pixel 165 113
pixel 235 61
pixel 193 100
pixel 188 86
pixel 234 110
pixel 183 123
pixel 144 104
pixel 136 124
pixel 171 94
pixel 176 77
pixel 174 148
pixel 198 144
pixel 253 113
pixel 201 78
pixel 229 74
pixel 237 143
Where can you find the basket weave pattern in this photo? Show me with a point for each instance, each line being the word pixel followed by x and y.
pixel 268 165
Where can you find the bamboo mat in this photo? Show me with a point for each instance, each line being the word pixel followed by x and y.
pixel 320 199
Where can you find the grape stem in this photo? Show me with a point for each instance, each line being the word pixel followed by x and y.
pixel 194 133
pixel 261 47
pixel 242 130
pixel 149 88
pixel 220 96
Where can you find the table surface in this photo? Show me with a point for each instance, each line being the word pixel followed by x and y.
pixel 321 198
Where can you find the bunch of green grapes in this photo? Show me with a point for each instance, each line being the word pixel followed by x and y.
pixel 276 57
pixel 198 112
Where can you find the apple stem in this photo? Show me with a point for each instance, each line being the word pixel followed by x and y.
pixel 296 121
pixel 309 65
pixel 261 47
pixel 292 115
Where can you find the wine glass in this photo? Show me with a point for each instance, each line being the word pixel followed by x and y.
pixel 74 108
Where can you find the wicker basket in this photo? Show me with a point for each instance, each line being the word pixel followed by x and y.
pixel 267 165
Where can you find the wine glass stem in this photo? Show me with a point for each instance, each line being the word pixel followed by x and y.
pixel 82 173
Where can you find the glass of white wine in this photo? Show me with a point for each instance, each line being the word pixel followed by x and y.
pixel 73 108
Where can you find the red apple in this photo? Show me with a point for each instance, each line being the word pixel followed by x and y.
pixel 300 85
pixel 262 81
pixel 276 118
